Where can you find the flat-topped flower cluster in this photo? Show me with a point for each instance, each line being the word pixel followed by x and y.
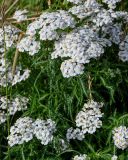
pixel 87 121
pixel 120 137
pixel 26 128
pixel 11 106
pixel 102 28
pixel 8 39
pixel 80 34
pixel 80 157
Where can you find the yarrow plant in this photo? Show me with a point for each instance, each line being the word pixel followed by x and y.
pixel 25 128
pixel 80 157
pixel 20 15
pixel 89 118
pixel 114 157
pixel 21 132
pixel 82 37
pixel 10 107
pixel 44 130
pixel 111 3
pixel 120 137
pixel 8 39
pixel 82 43
pixel 75 134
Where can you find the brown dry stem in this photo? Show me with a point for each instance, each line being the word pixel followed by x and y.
pixel 16 56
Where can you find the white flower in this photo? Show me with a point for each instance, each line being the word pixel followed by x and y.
pixel 17 78
pixel 111 3
pixel 8 36
pixel 89 118
pixel 6 75
pixel 8 78
pixel 85 10
pixel 3 117
pixel 20 15
pixel 114 31
pixel 104 17
pixel 44 130
pixel 80 46
pixel 123 53
pixel 11 106
pixel 80 157
pixel 76 1
pixel 48 23
pixel 21 132
pixel 70 68
pixel 25 128
pixel 74 134
pixel 120 137
pixel 29 44
pixel 114 157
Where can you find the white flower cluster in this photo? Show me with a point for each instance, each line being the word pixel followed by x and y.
pixel 103 18
pixel 8 37
pixel 6 76
pixel 74 134
pixel 86 9
pixel 80 45
pixel 120 137
pixel 97 14
pixel 111 3
pixel 21 132
pixel 70 68
pixel 48 23
pixel 26 128
pixel 89 118
pixel 123 53
pixel 3 116
pixel 76 1
pixel 114 32
pixel 20 15
pixel 44 130
pixel 114 157
pixel 11 106
pixel 80 157
pixel 29 44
